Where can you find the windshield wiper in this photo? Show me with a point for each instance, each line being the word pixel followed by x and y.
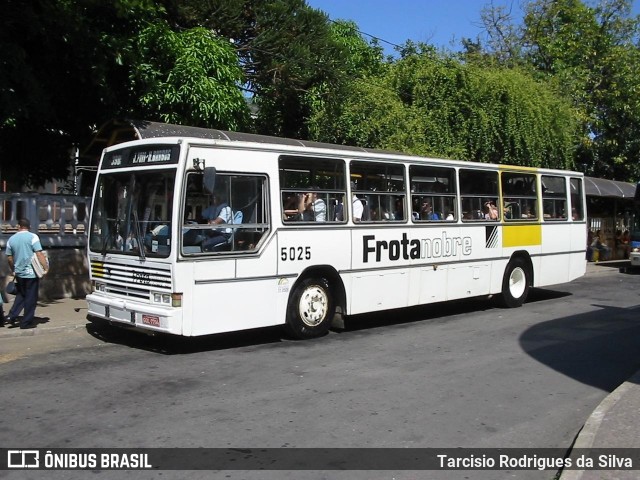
pixel 138 235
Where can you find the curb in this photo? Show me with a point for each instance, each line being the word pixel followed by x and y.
pixel 16 332
pixel 610 267
pixel 587 434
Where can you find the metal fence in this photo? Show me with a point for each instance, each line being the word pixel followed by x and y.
pixel 59 220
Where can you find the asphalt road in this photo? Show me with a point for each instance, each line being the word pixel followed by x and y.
pixel 463 374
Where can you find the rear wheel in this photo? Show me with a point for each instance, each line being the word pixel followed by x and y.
pixel 515 284
pixel 310 309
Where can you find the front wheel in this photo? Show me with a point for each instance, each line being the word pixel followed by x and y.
pixel 515 284
pixel 310 309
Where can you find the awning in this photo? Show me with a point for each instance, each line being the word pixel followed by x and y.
pixel 601 187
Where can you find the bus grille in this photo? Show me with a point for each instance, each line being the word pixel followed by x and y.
pixel 132 282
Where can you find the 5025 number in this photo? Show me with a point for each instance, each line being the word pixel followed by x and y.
pixel 295 253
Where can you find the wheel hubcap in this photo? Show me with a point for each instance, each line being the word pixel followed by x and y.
pixel 517 282
pixel 313 306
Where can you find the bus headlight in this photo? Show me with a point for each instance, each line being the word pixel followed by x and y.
pixel 162 298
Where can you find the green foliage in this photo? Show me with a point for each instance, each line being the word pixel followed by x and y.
pixel 361 58
pixel 369 117
pixel 295 53
pixel 433 105
pixel 61 74
pixel 589 50
pixel 190 77
pixel 285 48
pixel 559 89
pixel 326 100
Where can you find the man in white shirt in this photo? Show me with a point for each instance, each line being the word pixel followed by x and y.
pixel 358 208
pixel 217 213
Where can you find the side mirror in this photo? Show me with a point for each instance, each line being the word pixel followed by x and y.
pixel 209 180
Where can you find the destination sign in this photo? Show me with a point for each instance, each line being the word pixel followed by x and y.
pixel 129 157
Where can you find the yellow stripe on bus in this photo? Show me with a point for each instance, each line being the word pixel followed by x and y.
pixel 521 235
pixel 516 169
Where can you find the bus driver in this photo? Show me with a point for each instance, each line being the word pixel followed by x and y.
pixel 217 213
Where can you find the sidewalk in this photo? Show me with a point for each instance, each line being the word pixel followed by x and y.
pixel 54 316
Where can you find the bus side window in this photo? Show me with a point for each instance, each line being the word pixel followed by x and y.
pixel 434 193
pixel 519 195
pixel 577 207
pixel 478 191
pixel 380 188
pixel 312 189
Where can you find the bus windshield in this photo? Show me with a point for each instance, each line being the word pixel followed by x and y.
pixel 132 213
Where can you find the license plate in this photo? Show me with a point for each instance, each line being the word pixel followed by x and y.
pixel 151 320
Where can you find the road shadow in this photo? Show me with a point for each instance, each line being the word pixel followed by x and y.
pixel 599 348
pixel 177 345
pixel 438 311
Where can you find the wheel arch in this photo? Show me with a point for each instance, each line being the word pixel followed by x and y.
pixel 524 256
pixel 335 282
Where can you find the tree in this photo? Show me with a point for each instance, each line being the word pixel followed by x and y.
pixel 361 60
pixel 61 73
pixel 590 53
pixel 286 50
pixel 189 77
pixel 435 105
pixel 68 66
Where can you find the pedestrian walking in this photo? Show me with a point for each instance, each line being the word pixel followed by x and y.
pixel 21 249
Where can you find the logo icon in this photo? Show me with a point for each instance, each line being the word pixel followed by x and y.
pixel 23 459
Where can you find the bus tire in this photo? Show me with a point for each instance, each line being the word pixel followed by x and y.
pixel 310 310
pixel 515 284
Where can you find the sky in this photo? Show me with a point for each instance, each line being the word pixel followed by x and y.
pixel 436 22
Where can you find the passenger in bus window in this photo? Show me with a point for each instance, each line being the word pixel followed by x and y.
pixel 358 207
pixel 398 213
pixel 527 213
pixel 490 211
pixel 380 213
pixel 339 211
pixel 313 209
pixel 290 208
pixel 131 243
pixel 506 211
pixel 426 211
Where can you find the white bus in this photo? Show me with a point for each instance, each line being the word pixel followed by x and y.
pixel 220 231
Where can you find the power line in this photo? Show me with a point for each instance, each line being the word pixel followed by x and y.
pixel 369 35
